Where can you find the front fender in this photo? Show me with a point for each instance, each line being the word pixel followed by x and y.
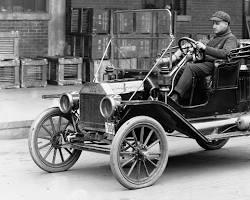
pixel 166 115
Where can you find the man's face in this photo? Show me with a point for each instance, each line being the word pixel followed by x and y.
pixel 219 26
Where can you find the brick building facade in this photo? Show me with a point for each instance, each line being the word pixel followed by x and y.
pixel 35 29
pixel 193 18
pixel 33 35
pixel 198 12
pixel 38 23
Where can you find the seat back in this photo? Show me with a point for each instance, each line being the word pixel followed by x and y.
pixel 226 74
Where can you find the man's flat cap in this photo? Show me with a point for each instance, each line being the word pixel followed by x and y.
pixel 221 16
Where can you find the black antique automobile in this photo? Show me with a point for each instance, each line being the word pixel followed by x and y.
pixel 131 115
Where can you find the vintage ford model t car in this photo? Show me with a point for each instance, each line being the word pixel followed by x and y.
pixel 130 117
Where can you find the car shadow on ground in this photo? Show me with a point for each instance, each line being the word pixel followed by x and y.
pixel 195 163
pixel 203 161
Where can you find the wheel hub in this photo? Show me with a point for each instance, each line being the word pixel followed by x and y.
pixel 141 152
pixel 56 140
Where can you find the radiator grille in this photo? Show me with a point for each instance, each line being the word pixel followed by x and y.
pixel 89 111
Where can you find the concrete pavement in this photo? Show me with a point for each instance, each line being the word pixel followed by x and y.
pixel 19 107
pixel 191 174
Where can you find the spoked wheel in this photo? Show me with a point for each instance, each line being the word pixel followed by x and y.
pixel 46 141
pixel 214 145
pixel 139 152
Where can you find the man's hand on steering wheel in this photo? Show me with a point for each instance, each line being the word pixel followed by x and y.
pixel 189 47
pixel 200 45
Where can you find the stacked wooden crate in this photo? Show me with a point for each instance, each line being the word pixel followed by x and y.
pixel 91 37
pixel 137 38
pixel 124 48
pixel 64 70
pixel 16 72
pixel 9 62
pixel 140 36
pixel 162 32
pixel 33 72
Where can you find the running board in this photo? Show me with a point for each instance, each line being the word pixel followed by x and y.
pixel 227 135
pixel 214 123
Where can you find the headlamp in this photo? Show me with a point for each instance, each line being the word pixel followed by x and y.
pixel 109 104
pixel 68 101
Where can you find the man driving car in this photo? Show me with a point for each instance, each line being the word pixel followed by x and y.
pixel 217 48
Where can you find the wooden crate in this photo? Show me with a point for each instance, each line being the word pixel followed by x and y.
pixel 9 63
pixel 9 45
pixel 128 46
pixel 89 20
pixel 129 63
pixel 64 70
pixel 144 47
pixel 91 46
pixel 125 47
pixel 163 22
pixel 95 21
pixel 75 17
pixel 123 23
pixel 160 44
pixel 144 22
pixel 9 73
pixel 90 67
pixel 144 63
pixel 33 72
pixel 94 46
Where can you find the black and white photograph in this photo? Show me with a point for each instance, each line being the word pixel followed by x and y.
pixel 124 100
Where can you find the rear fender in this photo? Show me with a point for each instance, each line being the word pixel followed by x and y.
pixel 167 116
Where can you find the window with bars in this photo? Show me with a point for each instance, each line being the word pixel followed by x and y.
pixel 247 7
pixel 180 6
pixel 23 5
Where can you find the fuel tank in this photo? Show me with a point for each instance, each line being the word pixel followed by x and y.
pixel 241 123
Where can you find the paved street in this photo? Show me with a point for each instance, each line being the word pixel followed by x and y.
pixel 191 174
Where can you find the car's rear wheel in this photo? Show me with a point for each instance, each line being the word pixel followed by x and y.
pixel 213 145
pixel 139 152
pixel 46 141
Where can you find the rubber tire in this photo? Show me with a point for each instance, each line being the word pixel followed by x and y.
pixel 32 143
pixel 114 155
pixel 212 146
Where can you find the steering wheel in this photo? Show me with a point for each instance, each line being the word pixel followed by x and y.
pixel 188 45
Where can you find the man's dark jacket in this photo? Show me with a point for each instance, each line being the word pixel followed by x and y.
pixel 220 46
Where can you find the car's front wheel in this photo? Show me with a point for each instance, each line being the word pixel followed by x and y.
pixel 46 139
pixel 139 152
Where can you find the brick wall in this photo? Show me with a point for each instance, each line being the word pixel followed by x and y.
pixel 200 12
pixel 33 36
